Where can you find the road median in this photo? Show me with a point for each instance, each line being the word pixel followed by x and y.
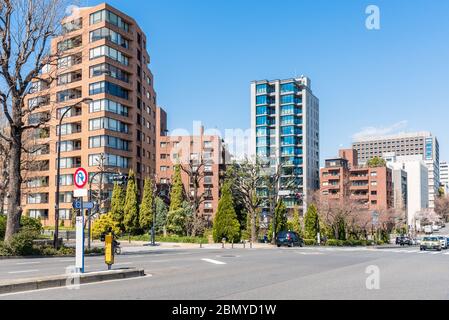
pixel 67 280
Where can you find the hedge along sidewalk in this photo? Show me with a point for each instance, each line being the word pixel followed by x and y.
pixel 67 280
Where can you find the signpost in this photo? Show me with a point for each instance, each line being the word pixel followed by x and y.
pixel 80 180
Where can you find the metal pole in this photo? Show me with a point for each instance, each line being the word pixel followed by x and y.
pixel 58 173
pixel 58 178
pixel 153 242
pixel 89 212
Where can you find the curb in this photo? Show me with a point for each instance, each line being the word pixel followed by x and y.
pixel 47 257
pixel 65 280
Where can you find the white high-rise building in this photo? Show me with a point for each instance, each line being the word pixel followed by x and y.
pixel 285 129
pixel 417 183
pixel 423 144
pixel 444 176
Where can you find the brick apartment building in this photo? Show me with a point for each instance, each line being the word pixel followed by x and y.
pixel 103 56
pixel 342 178
pixel 205 154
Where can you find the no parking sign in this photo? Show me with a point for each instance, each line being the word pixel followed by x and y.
pixel 80 178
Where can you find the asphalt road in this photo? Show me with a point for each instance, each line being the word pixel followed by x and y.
pixel 286 273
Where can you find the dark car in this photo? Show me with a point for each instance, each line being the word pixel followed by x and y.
pixel 289 238
pixel 404 241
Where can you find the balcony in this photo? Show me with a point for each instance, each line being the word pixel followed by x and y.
pixel 70 94
pixel 70 77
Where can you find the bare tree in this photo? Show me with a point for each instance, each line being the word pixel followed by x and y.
pixel 196 173
pixel 246 179
pixel 442 207
pixel 26 29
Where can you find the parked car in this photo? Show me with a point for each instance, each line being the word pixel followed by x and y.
pixel 289 238
pixel 428 229
pixel 443 241
pixel 430 243
pixel 404 241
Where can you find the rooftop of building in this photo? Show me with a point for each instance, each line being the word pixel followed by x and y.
pixel 425 134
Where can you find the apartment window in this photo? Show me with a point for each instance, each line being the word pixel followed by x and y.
pixel 37 182
pixel 110 70
pixel 38 102
pixel 164 168
pixel 208 180
pixel 108 124
pixel 68 146
pixel 69 61
pixel 69 163
pixel 374 174
pixel 38 214
pixel 108 88
pixel 66 197
pixel 69 44
pixel 37 198
pixel 374 183
pixel 110 17
pixel 65 214
pixel 66 180
pixel 69 94
pixel 106 51
pixel 109 142
pixel 111 160
pixel 108 34
pixel 108 105
pixel 70 77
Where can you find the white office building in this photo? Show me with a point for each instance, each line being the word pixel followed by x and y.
pixel 444 176
pixel 417 183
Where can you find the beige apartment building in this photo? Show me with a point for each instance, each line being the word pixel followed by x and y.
pixel 201 153
pixel 102 55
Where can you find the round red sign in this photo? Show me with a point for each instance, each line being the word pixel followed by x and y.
pixel 80 178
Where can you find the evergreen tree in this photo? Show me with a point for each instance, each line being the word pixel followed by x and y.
pixel 226 224
pixel 118 205
pixel 296 222
pixel 161 215
pixel 177 219
pixel 311 223
pixel 280 217
pixel 146 207
pixel 131 209
pixel 177 190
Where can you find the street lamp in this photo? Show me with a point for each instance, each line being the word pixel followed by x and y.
pixel 58 174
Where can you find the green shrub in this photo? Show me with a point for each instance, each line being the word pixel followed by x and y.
pixel 4 249
pixel 310 242
pixel 2 227
pixel 94 251
pixel 334 243
pixel 31 224
pixel 48 251
pixel 21 243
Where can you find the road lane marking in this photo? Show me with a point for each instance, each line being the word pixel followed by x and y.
pixel 213 261
pixel 67 260
pixel 26 263
pixel 436 252
pixel 447 253
pixel 122 263
pixel 23 271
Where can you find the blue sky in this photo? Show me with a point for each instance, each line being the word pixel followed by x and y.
pixel 206 53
